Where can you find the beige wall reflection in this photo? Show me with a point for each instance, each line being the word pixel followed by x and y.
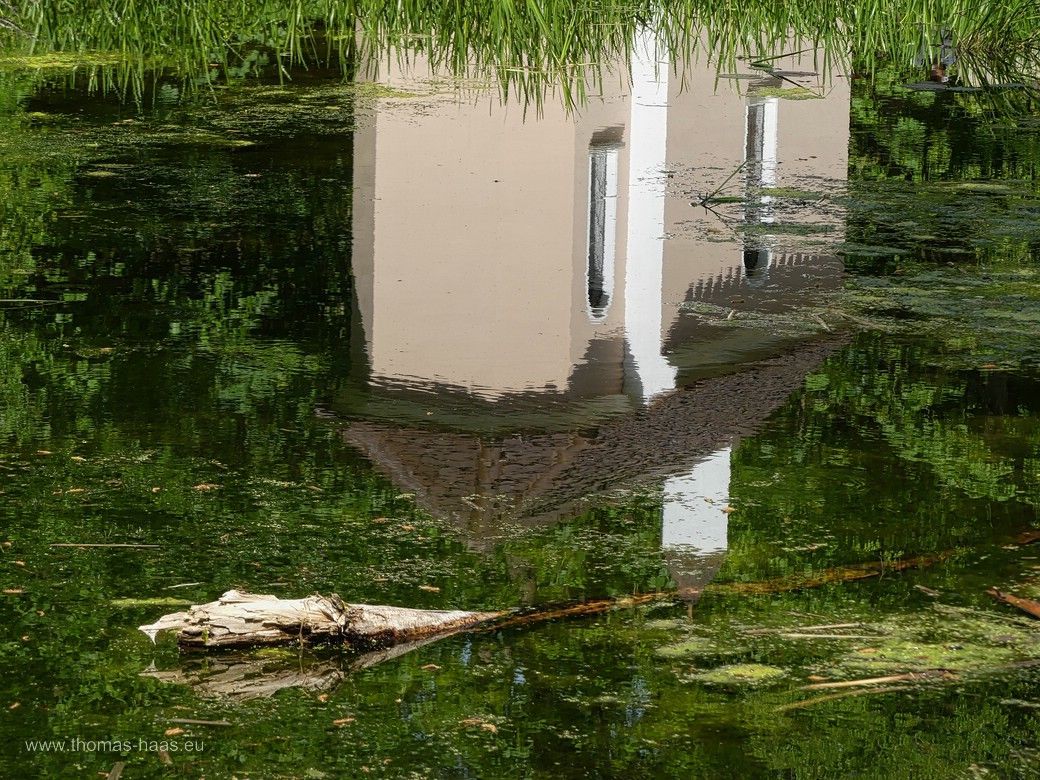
pixel 469 240
pixel 495 250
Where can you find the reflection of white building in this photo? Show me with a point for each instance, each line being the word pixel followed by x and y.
pixel 501 256
pixel 693 500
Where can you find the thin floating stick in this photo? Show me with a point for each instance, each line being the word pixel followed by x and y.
pixel 850 573
pixel 907 677
pixel 113 544
pixel 194 722
pixel 798 705
pixel 711 195
pixel 753 61
pixel 826 636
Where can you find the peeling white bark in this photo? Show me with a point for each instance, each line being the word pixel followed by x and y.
pixel 239 619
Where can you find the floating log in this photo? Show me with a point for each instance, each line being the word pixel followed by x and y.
pixel 1026 605
pixel 237 619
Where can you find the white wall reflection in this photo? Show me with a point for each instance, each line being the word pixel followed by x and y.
pixel 694 519
pixel 647 372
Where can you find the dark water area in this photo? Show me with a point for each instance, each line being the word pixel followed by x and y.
pixel 738 335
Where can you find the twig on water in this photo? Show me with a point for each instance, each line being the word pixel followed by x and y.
pixel 798 705
pixel 194 722
pixel 827 636
pixel 706 199
pixel 906 677
pixel 759 62
pixel 113 544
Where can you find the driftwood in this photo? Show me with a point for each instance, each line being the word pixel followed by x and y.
pixel 240 619
pixel 1026 605
pixel 237 619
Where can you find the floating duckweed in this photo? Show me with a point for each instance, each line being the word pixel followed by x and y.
pixel 691 647
pixel 909 655
pixel 956 639
pixel 787 93
pixel 59 60
pixel 374 90
pixel 149 602
pixel 665 624
pixel 751 675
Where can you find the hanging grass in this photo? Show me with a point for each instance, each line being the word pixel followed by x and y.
pixel 529 47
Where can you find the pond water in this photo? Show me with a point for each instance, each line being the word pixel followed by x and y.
pixel 737 335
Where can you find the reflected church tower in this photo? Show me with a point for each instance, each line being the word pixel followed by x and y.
pixel 519 278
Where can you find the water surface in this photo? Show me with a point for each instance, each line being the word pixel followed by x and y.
pixel 412 342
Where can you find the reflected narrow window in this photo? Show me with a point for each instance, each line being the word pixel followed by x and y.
pixel 756 262
pixel 602 225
